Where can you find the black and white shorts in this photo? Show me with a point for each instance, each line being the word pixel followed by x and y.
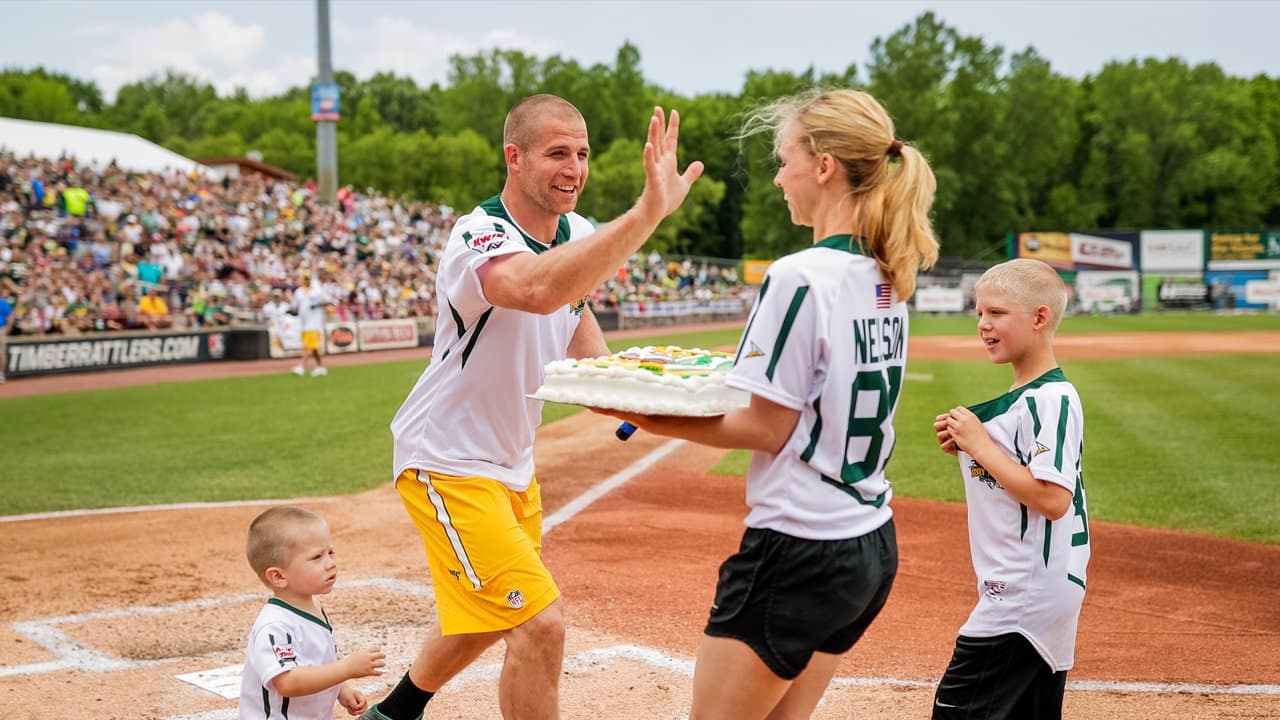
pixel 787 598
pixel 998 678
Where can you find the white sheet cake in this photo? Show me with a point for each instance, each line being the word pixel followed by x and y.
pixel 649 380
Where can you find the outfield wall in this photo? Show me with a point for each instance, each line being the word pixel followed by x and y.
pixel 30 356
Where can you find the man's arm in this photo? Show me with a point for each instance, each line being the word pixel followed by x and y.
pixel 588 339
pixel 545 282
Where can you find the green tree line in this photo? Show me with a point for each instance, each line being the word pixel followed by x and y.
pixel 1155 143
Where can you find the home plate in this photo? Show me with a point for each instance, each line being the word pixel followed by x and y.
pixel 223 681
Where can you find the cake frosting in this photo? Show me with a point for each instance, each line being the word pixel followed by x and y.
pixel 647 380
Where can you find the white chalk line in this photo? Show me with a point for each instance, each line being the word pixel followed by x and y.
pixel 599 490
pixel 57 514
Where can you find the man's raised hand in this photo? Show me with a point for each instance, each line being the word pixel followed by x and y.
pixel 665 188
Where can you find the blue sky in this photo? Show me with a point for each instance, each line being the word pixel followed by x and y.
pixel 691 46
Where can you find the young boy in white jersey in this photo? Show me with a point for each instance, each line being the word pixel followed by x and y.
pixel 291 666
pixel 1028 524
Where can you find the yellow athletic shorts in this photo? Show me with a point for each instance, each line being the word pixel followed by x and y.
pixel 484 545
pixel 310 339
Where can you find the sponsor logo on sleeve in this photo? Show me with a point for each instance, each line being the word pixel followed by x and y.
pixel 754 351
pixel 1041 448
pixel 484 242
pixel 285 654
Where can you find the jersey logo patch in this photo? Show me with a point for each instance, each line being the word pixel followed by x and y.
pixel 484 242
pixel 980 473
pixel 994 590
pixel 284 654
pixel 515 599
pixel 1041 448
pixel 576 306
pixel 755 351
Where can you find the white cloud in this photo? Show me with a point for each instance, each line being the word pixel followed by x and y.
pixel 210 46
pixel 405 48
pixel 213 47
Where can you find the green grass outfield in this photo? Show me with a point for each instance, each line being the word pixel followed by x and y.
pixel 1170 442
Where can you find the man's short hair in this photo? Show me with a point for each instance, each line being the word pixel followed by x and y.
pixel 274 536
pixel 522 119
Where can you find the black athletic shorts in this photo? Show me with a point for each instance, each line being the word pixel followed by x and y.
pixel 787 598
pixel 999 677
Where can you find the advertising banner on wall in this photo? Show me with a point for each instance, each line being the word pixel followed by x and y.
pixel 753 271
pixel 1051 247
pixel 939 299
pixel 285 336
pixel 1263 292
pixel 340 337
pixel 1244 250
pixel 1174 290
pixel 1107 292
pixel 1172 250
pixel 1113 252
pixel 1227 289
pixel 86 353
pixel 682 308
pixel 387 334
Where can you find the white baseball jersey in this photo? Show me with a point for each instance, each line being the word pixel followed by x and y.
pixel 283 638
pixel 470 413
pixel 826 337
pixel 1031 570
pixel 310 302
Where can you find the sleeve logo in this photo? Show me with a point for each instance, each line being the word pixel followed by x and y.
pixel 484 242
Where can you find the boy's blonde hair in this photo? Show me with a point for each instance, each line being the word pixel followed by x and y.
pixel 274 536
pixel 1030 283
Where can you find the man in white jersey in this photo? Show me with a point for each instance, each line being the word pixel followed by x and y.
pixel 823 356
pixel 311 301
pixel 1028 522
pixel 511 290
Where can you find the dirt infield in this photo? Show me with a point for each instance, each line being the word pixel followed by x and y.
pixel 100 612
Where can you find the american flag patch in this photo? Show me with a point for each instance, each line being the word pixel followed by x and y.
pixel 884 295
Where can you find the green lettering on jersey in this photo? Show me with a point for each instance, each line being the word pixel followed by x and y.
pixel 887 384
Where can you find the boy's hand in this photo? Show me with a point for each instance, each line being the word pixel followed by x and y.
pixel 364 663
pixel 352 700
pixel 966 430
pixel 945 441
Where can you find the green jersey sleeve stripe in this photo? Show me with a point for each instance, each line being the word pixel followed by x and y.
pixel 1062 432
pixel 1035 416
pixel 814 436
pixel 792 310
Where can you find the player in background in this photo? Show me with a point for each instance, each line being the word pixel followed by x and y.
pixel 511 289
pixel 311 302
pixel 1028 523
pixel 823 356
pixel 291 667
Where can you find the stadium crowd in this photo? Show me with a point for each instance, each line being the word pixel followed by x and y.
pixel 87 249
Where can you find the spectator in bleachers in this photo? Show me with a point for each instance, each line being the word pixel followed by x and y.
pixel 217 249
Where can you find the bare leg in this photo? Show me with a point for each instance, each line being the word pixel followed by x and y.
pixel 806 690
pixel 442 657
pixel 530 685
pixel 731 683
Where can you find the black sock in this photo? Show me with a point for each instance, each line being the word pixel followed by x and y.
pixel 406 702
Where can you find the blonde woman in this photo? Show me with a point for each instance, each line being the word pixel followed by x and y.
pixel 823 357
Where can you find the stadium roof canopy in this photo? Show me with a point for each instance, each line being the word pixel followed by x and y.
pixel 92 147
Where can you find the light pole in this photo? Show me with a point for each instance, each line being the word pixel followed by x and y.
pixel 324 110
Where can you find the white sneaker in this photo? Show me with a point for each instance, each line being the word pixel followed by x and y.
pixel 319 371
pixel 299 370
